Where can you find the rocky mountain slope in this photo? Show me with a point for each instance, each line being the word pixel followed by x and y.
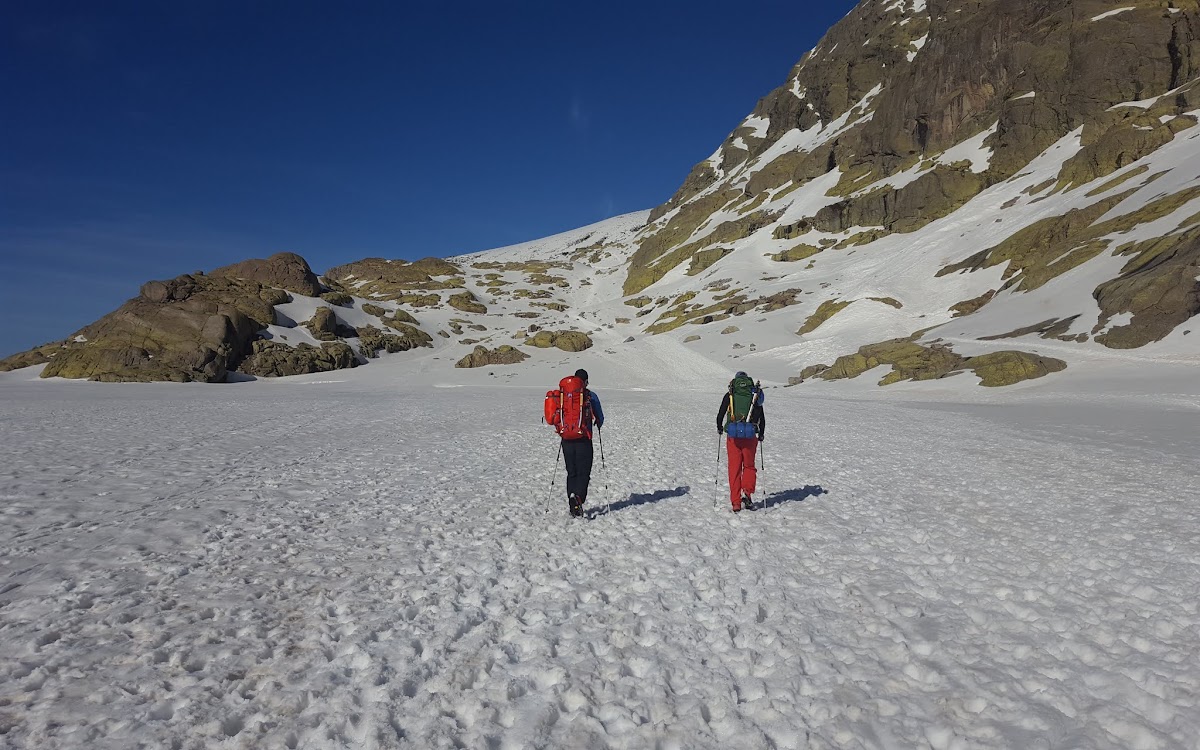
pixel 1001 187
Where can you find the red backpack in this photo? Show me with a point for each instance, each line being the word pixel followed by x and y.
pixel 569 409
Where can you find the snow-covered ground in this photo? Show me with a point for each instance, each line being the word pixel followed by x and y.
pixel 361 559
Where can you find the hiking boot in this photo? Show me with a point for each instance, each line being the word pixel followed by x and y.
pixel 747 501
pixel 575 502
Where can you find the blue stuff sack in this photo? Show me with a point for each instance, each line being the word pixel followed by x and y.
pixel 740 430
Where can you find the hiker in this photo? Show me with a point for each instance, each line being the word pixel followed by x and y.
pixel 742 421
pixel 572 410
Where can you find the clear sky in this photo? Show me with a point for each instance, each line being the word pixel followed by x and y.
pixel 141 140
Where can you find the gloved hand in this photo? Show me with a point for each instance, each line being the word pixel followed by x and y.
pixel 762 438
pixel 719 430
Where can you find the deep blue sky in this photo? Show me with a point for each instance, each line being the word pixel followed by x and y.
pixel 144 140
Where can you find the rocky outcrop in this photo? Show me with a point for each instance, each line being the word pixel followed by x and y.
pixel 383 279
pixel 909 82
pixel 1159 287
pixel 323 325
pixel 1010 367
pixel 568 341
pixel 824 312
pixel 192 327
pixel 910 360
pixel 467 302
pixel 282 270
pixel 372 340
pixel 483 357
pixel 39 355
pixel 273 359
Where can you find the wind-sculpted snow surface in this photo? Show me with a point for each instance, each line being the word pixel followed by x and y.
pixel 343 564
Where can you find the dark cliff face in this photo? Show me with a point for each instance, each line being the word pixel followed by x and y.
pixel 900 81
pixel 976 65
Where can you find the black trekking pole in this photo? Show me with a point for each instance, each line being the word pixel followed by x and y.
pixel 553 476
pixel 604 469
pixel 762 465
pixel 717 471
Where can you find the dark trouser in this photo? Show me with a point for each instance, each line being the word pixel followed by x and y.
pixel 577 455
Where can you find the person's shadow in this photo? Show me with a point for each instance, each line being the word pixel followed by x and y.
pixel 797 495
pixel 644 499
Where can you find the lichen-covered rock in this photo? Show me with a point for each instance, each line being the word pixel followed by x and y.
pixel 37 356
pixel 793 254
pixel 192 327
pixel 467 302
pixel 660 251
pixel 371 340
pixel 379 278
pixel 705 258
pixel 282 270
pixel 913 361
pixel 274 359
pixel 323 324
pixel 808 372
pixel 1159 287
pixel 484 357
pixel 909 361
pixel 778 300
pixel 824 312
pixel 341 299
pixel 1044 249
pixel 966 307
pixel 274 296
pixel 398 319
pixel 568 341
pixel 997 369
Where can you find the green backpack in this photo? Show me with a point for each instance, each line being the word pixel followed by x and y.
pixel 741 398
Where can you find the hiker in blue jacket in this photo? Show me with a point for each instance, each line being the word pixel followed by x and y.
pixel 577 450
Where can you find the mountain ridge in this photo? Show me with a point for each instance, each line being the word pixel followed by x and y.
pixel 933 183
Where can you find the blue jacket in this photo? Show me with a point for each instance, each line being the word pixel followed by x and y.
pixel 597 412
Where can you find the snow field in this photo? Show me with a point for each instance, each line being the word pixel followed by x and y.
pixel 357 564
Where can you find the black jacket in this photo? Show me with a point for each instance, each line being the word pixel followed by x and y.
pixel 757 418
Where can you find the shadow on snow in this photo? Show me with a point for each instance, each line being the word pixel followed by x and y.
pixel 646 499
pixel 797 495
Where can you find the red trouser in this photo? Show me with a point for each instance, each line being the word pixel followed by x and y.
pixel 742 474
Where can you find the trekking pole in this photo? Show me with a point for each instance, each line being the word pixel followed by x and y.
pixel 717 471
pixel 762 464
pixel 603 467
pixel 553 476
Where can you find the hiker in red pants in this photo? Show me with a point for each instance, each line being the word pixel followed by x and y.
pixel 742 421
